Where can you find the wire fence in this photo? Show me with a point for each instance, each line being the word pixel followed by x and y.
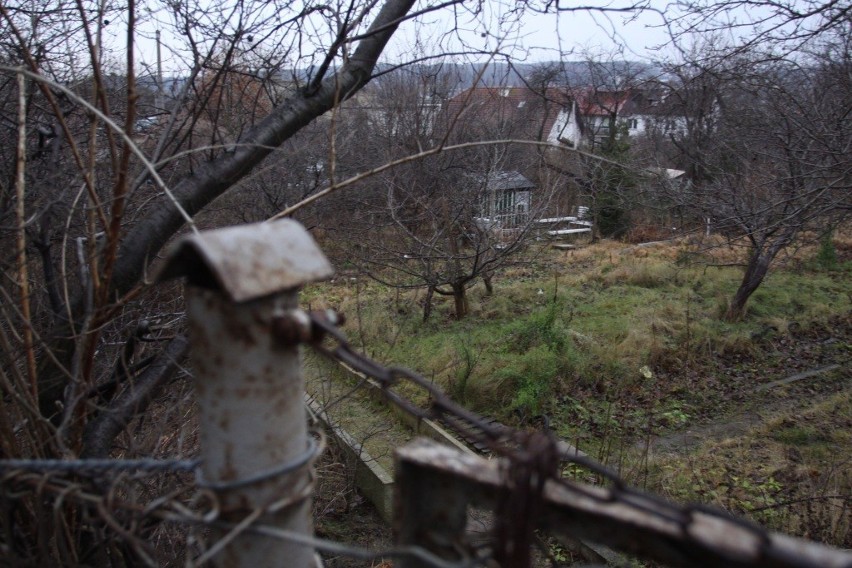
pixel 163 511
pixel 125 501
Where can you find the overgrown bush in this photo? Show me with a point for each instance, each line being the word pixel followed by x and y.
pixel 826 257
pixel 540 327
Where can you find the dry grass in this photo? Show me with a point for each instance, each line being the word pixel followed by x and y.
pixel 617 309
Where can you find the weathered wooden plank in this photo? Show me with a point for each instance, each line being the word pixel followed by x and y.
pixel 629 522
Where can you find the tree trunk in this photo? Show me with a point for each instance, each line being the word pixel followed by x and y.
pixel 489 285
pixel 460 296
pixel 102 431
pixel 755 272
pixel 596 226
pixel 427 303
pixel 145 239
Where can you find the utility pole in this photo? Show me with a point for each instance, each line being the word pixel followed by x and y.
pixel 159 101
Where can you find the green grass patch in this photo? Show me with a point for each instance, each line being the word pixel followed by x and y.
pixel 613 344
pixel 580 325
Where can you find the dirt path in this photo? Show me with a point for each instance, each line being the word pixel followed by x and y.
pixel 730 426
pixel 780 392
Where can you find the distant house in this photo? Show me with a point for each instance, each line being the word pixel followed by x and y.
pixel 567 119
pixel 580 118
pixel 600 112
pixel 548 115
pixel 631 111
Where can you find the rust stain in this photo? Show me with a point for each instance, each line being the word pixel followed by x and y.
pixel 242 333
pixel 228 472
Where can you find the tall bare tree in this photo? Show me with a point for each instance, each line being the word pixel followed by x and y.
pixel 104 162
pixel 108 158
pixel 768 144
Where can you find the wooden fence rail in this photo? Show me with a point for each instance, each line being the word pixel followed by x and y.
pixel 436 484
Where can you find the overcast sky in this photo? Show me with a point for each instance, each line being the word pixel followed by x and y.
pixel 544 37
pixel 528 36
pixel 533 37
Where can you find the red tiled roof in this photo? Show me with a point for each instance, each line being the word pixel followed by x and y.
pixel 592 102
pixel 533 111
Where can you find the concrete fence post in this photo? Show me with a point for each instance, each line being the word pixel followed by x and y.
pixel 255 450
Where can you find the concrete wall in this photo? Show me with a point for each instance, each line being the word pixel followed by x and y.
pixel 374 481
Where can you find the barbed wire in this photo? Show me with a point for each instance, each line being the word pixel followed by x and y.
pixel 172 510
pixel 85 467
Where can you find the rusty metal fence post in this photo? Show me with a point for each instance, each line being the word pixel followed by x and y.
pixel 255 449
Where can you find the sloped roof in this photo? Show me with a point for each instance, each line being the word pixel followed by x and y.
pixel 502 180
pixel 534 112
pixel 600 103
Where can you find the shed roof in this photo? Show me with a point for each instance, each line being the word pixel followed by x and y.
pixel 502 180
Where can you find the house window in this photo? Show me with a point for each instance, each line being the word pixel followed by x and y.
pixel 520 215
pixel 511 208
pixel 505 202
pixel 633 123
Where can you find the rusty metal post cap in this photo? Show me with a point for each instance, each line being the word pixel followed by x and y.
pixel 248 262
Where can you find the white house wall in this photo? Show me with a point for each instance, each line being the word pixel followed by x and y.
pixel 664 125
pixel 565 128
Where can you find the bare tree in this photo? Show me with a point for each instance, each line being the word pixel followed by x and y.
pixel 119 158
pixel 123 221
pixel 611 101
pixel 446 221
pixel 786 25
pixel 102 168
pixel 768 146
